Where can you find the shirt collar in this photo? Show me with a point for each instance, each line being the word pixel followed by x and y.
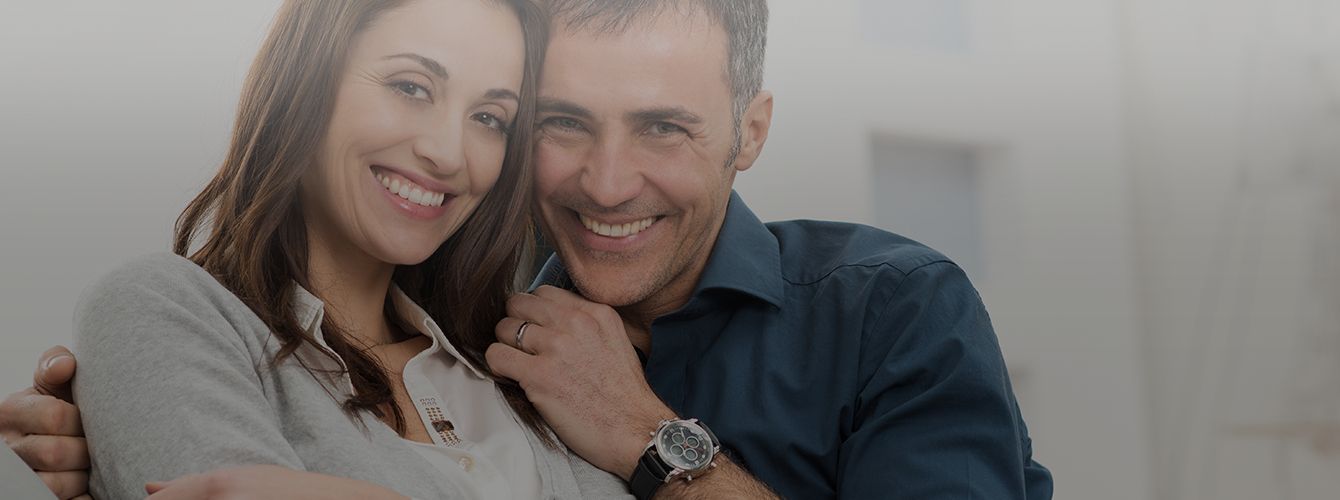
pixel 311 311
pixel 746 259
pixel 419 319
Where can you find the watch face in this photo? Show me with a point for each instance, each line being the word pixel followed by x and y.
pixel 684 445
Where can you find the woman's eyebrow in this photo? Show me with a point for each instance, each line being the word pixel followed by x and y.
pixel 502 94
pixel 428 63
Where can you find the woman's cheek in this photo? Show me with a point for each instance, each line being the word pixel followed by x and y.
pixel 488 171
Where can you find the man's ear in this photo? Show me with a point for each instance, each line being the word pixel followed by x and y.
pixel 754 127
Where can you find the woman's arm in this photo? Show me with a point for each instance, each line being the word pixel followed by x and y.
pixel 258 482
pixel 167 385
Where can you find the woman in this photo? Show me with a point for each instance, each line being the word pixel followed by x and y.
pixel 351 258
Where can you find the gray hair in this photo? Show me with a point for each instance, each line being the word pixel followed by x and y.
pixel 744 21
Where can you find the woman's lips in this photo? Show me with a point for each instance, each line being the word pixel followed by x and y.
pixel 409 197
pixel 409 190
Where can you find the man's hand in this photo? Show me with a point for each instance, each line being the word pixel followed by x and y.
pixel 577 366
pixel 42 426
pixel 256 482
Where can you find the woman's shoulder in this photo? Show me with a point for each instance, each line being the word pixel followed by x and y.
pixel 164 274
pixel 157 289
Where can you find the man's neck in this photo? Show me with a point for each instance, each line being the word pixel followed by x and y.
pixel 639 317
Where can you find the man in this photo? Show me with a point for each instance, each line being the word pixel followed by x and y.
pixel 827 359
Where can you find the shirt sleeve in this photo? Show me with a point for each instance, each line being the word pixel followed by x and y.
pixel 937 418
pixel 166 385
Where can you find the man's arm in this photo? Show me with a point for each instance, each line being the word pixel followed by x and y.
pixel 726 481
pixel 937 417
pixel 42 426
pixel 579 369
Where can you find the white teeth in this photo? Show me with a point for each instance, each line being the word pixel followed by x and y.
pixel 412 192
pixel 619 231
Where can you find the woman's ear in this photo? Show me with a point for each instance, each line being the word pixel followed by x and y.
pixel 754 127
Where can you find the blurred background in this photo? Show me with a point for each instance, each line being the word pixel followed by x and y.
pixel 1144 191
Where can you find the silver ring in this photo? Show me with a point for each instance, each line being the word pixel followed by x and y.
pixel 521 334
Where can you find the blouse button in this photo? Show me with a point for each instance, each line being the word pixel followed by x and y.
pixel 467 463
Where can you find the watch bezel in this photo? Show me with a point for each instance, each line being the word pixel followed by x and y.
pixel 695 430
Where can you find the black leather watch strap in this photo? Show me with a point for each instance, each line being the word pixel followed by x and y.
pixel 649 475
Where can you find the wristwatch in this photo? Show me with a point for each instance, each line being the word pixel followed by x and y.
pixel 678 448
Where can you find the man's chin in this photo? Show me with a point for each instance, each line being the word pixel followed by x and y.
pixel 612 289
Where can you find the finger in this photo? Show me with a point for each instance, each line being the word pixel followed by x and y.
pixel 66 484
pixel 155 486
pixel 538 338
pixel 507 329
pixel 83 497
pixel 561 299
pixel 9 411
pixel 532 308
pixel 54 371
pixel 52 453
pixel 34 413
pixel 508 362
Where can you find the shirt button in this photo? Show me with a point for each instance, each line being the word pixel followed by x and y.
pixel 467 463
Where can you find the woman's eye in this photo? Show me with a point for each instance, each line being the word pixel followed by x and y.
pixel 491 121
pixel 411 89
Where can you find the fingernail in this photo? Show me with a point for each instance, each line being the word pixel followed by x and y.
pixel 53 360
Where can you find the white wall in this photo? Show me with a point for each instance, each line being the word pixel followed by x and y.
pixel 1236 138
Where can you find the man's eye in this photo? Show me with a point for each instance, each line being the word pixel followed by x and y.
pixel 411 89
pixel 564 124
pixel 663 128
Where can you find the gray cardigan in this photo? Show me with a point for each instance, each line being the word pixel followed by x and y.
pixel 175 378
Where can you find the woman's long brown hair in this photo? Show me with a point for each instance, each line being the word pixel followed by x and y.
pixel 248 220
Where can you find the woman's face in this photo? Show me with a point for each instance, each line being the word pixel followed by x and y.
pixel 419 129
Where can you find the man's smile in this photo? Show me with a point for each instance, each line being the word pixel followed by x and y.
pixel 616 229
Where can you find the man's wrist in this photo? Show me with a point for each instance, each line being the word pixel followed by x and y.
pixel 634 442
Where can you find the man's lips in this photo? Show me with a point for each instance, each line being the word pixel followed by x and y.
pixel 616 229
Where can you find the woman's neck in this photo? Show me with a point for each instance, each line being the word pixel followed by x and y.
pixel 354 286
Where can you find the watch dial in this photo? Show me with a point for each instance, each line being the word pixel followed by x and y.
pixel 684 446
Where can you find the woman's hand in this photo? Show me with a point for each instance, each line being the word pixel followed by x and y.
pixel 264 481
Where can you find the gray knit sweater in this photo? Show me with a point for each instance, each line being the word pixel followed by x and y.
pixel 175 378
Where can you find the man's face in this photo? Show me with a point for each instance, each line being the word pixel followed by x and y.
pixel 636 130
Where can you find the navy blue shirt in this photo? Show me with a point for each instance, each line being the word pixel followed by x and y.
pixel 837 360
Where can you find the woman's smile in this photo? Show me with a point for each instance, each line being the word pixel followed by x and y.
pixel 412 195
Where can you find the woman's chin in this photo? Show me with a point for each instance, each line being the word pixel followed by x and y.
pixel 407 254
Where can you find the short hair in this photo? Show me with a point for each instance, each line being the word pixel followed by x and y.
pixel 744 21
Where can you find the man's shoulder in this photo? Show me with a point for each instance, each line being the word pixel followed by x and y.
pixel 813 250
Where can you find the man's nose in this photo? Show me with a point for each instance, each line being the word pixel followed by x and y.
pixel 610 176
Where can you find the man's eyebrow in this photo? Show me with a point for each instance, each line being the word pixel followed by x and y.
pixel 501 94
pixel 670 113
pixel 432 66
pixel 565 107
